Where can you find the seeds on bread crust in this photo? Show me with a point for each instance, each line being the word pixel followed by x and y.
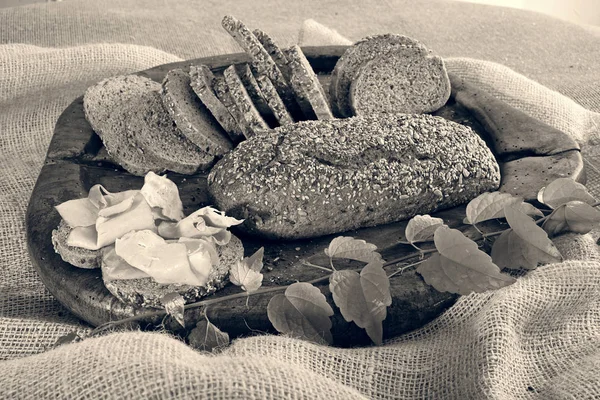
pixel 356 172
pixel 262 62
pixel 103 105
pixel 349 64
pixel 202 82
pixel 153 129
pixel 243 101
pixel 402 81
pixel 191 116
pixel 307 87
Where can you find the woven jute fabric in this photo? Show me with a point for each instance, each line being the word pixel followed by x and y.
pixel 537 339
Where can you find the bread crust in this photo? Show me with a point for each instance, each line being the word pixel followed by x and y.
pixel 82 258
pixel 315 178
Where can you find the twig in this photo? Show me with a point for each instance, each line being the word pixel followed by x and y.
pixel 402 269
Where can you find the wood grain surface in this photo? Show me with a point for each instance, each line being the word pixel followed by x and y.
pixel 76 160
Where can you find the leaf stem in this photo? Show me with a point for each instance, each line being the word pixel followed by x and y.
pixel 402 269
pixel 407 257
pixel 309 264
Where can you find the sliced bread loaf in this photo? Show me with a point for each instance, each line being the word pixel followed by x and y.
pixel 276 53
pixel 245 74
pixel 349 64
pixel 307 87
pixel 315 178
pixel 223 94
pixel 191 116
pixel 146 292
pixel 153 129
pixel 103 104
pixel 203 83
pixel 405 80
pixel 82 258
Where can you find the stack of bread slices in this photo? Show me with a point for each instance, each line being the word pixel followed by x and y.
pixel 186 124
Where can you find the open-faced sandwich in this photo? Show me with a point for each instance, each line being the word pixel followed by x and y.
pixel 144 245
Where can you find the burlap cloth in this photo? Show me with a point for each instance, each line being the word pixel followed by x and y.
pixel 537 339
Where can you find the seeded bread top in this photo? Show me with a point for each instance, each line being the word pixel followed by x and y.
pixel 103 105
pixel 191 116
pixel 348 66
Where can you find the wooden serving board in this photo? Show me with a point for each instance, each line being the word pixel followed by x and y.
pixel 76 160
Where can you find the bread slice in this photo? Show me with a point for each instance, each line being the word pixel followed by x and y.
pixel 262 62
pixel 153 129
pixel 191 116
pixel 82 258
pixel 256 95
pixel 307 87
pixel 406 80
pixel 103 104
pixel 281 113
pixel 146 292
pixel 202 82
pixel 242 100
pixel 355 172
pixel 276 53
pixel 349 64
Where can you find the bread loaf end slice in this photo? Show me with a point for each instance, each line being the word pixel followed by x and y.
pixel 402 81
pixel 191 116
pixel 314 178
pixel 103 105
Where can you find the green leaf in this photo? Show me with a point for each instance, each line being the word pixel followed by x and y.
pixel 363 298
pixel 460 267
pixel 562 191
pixel 420 228
pixel 302 312
pixel 352 249
pixel 207 337
pixel 525 245
pixel 575 216
pixel 174 306
pixel 246 273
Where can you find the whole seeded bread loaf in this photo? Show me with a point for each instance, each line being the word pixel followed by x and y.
pixel 149 123
pixel 314 178
pixel 191 116
pixel 82 258
pixel 406 80
pixel 103 104
pixel 357 55
pixel 202 81
pixel 146 292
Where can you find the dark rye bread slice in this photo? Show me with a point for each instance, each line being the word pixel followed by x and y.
pixel 153 129
pixel 146 292
pixel 223 94
pixel 348 66
pixel 406 80
pixel 191 116
pixel 202 82
pixel 307 87
pixel 315 178
pixel 82 258
pixel 103 104
pixel 277 55
pixel 262 62
pixel 281 113
pixel 244 103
